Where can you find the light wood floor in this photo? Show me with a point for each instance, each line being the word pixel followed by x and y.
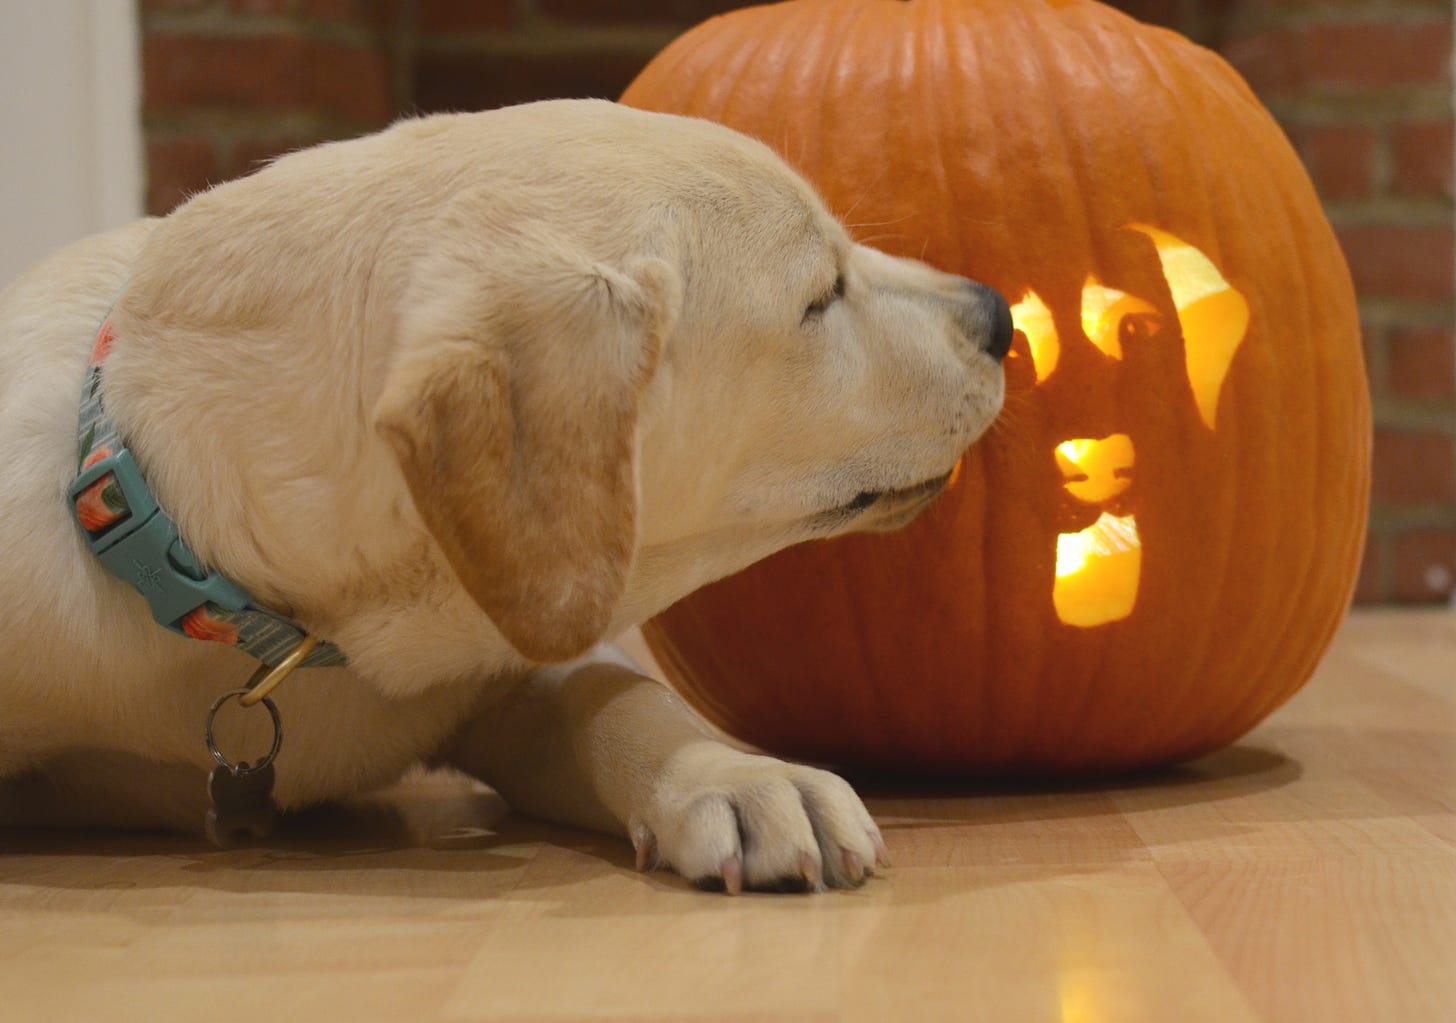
pixel 1308 873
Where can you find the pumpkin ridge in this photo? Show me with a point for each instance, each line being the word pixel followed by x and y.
pixel 1216 549
pixel 960 54
pixel 1294 662
pixel 1200 650
pixel 1043 681
pixel 1239 670
pixel 1309 419
pixel 931 46
pixel 1282 673
pixel 1082 697
pixel 722 89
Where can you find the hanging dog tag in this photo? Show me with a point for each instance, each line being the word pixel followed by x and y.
pixel 242 804
pixel 242 797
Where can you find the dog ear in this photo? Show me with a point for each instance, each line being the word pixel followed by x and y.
pixel 514 422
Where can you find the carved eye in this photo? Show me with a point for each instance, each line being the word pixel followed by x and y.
pixel 1213 315
pixel 1032 317
pixel 1106 310
pixel 820 305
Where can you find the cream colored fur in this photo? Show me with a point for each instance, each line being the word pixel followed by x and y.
pixel 468 397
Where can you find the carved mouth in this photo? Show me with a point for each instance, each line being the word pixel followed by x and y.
pixel 1099 549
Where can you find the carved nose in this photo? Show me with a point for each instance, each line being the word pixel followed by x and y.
pixel 987 316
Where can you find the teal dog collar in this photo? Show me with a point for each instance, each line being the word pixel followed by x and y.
pixel 125 528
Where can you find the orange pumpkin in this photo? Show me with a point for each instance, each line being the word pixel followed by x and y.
pixel 1152 548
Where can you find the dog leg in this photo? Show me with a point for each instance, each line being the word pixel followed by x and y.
pixel 597 744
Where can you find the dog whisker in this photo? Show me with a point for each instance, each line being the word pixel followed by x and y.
pixel 855 205
pixel 879 223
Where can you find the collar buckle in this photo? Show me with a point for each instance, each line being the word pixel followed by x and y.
pixel 143 546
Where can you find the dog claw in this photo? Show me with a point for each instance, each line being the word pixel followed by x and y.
pixel 812 874
pixel 854 867
pixel 646 857
pixel 882 853
pixel 733 875
pixel 644 843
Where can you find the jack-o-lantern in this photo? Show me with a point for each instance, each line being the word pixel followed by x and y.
pixel 1152 548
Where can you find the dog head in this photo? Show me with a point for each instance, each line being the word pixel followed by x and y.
pixel 643 355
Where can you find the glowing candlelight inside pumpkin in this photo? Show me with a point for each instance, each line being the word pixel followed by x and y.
pixel 1097 572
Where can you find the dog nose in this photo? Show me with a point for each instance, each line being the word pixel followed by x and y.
pixel 998 340
pixel 987 315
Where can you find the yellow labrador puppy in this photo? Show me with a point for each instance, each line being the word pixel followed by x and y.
pixel 462 399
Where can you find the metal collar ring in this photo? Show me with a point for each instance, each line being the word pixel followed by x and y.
pixel 243 767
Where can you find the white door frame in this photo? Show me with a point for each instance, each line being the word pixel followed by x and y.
pixel 70 124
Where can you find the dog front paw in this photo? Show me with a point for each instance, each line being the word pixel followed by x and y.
pixel 727 821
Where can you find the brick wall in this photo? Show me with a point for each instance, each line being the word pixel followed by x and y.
pixel 226 84
pixel 230 83
pixel 1363 88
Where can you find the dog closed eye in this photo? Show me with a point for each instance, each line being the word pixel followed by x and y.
pixel 820 305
